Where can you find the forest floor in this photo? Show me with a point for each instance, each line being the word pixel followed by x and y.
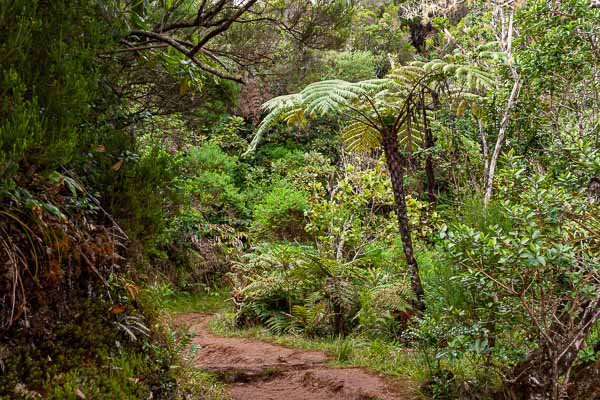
pixel 256 370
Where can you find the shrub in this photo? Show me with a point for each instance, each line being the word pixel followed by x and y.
pixel 46 91
pixel 280 214
pixel 145 193
pixel 352 66
pixel 536 281
pixel 202 215
pixel 289 288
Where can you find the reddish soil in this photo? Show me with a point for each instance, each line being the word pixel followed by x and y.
pixel 262 371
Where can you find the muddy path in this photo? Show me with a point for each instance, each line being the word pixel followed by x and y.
pixel 258 370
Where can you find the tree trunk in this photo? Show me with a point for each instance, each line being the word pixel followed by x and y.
pixel 485 153
pixel 429 170
pixel 395 164
pixel 505 39
pixel 418 34
pixel 338 320
pixel 429 143
pixel 489 184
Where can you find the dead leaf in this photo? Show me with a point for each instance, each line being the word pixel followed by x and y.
pixel 100 148
pixel 117 165
pixel 118 309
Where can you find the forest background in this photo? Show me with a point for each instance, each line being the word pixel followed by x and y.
pixel 416 181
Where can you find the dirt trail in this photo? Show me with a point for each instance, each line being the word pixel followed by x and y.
pixel 264 371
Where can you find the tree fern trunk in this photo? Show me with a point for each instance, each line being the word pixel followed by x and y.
pixel 395 164
pixel 338 320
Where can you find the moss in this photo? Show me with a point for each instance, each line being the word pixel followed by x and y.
pixel 91 355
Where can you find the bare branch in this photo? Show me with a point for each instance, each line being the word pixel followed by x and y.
pixel 183 50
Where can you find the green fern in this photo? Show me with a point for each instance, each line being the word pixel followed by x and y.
pixel 310 318
pixel 280 323
pixel 318 99
pixel 360 137
pixel 374 106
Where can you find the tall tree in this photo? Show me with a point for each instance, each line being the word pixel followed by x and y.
pixel 391 113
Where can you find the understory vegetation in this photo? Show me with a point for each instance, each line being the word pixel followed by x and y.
pixel 411 186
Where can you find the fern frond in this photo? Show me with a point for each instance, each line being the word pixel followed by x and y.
pixel 360 137
pixel 384 97
pixel 280 323
pixel 276 108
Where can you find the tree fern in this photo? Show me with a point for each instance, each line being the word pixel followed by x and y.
pixel 324 98
pixel 392 112
pixel 367 106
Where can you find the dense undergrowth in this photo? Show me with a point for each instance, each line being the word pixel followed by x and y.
pixel 72 322
pixel 426 204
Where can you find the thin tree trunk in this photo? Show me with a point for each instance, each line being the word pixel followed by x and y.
pixel 429 168
pixel 395 164
pixel 489 183
pixel 504 33
pixel 485 152
pixel 338 319
pixel 429 143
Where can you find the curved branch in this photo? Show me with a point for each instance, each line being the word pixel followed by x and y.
pixel 222 27
pixel 183 50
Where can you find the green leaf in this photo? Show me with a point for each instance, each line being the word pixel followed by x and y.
pixel 138 21
pixel 52 209
pixel 541 260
